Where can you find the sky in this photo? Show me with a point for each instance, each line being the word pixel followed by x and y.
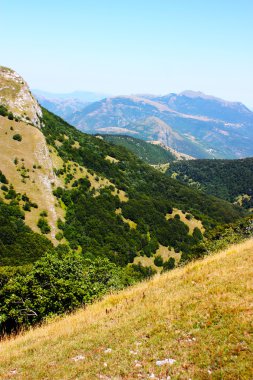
pixel 131 46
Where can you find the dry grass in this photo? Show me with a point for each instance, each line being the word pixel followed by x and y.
pixel 32 150
pixel 192 223
pixel 130 222
pixel 97 182
pixel 164 252
pixel 199 315
pixel 111 159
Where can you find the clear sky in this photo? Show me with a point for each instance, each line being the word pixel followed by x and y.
pixel 131 46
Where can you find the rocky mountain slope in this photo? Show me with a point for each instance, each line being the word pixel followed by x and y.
pixel 25 158
pixel 192 323
pixel 193 123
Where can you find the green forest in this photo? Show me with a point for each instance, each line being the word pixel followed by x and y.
pixel 150 153
pixel 231 180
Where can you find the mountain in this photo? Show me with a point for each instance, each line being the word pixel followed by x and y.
pixel 80 217
pixel 64 105
pixel 227 179
pixel 26 164
pixel 193 123
pixel 194 322
pixel 81 96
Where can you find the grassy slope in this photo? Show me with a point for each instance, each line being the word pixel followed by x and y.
pixel 32 149
pixel 198 315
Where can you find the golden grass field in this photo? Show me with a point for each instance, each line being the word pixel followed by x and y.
pixel 32 150
pixel 199 315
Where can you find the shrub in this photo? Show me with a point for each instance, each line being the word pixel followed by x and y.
pixel 59 236
pixel 4 188
pixel 158 261
pixel 3 178
pixel 43 226
pixel 170 264
pixel 10 116
pixel 17 137
pixel 27 206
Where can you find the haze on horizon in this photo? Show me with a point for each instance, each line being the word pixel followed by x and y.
pixel 117 47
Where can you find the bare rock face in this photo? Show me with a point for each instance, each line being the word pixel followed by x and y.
pixel 16 96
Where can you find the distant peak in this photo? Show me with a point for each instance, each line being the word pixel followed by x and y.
pixel 196 94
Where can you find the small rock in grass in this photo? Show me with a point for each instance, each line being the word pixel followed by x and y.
pixel 13 372
pixel 78 357
pixel 165 361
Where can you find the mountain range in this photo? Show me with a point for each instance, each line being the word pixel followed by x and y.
pixel 193 123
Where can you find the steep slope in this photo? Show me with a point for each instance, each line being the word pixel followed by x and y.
pixel 194 322
pixel 228 179
pixel 16 96
pixel 194 123
pixel 25 158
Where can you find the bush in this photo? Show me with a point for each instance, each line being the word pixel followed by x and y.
pixel 10 116
pixel 158 261
pixel 3 178
pixel 59 236
pixel 170 264
pixel 4 188
pixel 27 206
pixel 43 226
pixel 17 137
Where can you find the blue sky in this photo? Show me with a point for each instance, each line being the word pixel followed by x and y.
pixel 126 46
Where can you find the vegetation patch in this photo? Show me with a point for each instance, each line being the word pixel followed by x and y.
pixel 187 219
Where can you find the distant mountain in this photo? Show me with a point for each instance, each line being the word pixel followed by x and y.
pixel 65 105
pixel 82 96
pixel 191 122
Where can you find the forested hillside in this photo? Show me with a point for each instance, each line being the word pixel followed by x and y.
pixel 116 208
pixel 150 153
pixel 228 179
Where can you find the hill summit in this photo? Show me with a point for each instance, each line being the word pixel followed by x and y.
pixel 16 96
